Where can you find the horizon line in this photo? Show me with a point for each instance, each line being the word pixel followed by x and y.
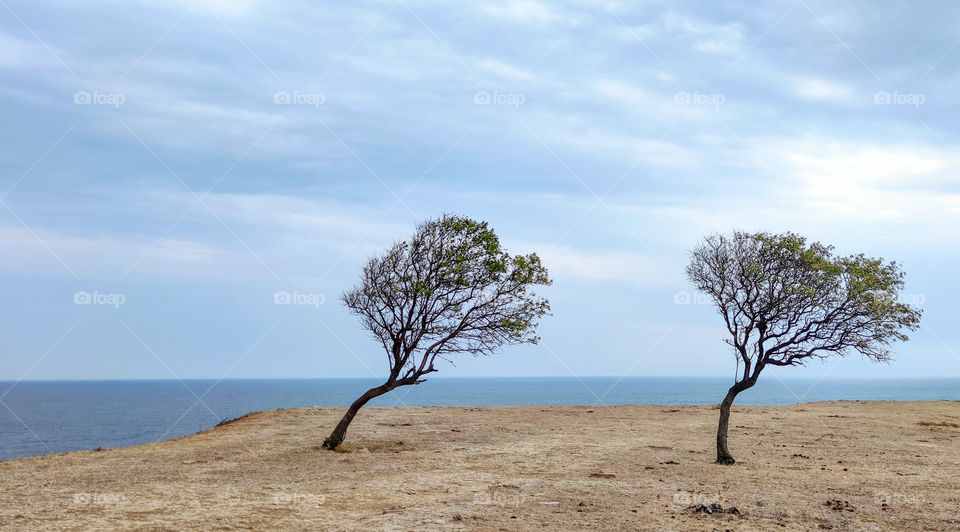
pixel 485 377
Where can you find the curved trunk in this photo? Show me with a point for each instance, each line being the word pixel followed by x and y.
pixel 723 452
pixel 339 433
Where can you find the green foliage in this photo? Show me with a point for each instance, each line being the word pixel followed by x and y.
pixel 784 299
pixel 450 288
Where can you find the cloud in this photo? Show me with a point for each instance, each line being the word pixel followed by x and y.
pixel 304 216
pixel 807 182
pixel 504 70
pixel 701 35
pixel 17 53
pixel 869 181
pixel 818 89
pixel 649 151
pixel 107 255
pixel 858 163
pixel 522 11
pixel 289 234
pixel 232 8
pixel 660 105
pixel 634 269
pixel 228 7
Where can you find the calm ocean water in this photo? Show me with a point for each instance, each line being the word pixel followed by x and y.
pixel 52 417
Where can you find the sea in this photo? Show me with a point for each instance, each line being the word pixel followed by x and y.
pixel 46 417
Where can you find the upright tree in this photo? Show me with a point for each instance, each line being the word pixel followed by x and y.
pixel 785 301
pixel 450 289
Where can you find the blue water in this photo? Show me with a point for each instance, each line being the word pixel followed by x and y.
pixel 51 417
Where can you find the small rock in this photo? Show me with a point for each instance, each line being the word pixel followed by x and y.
pixel 714 508
pixel 838 505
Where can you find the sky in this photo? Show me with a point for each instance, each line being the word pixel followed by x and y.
pixel 187 187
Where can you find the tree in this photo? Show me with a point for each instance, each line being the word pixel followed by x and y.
pixel 785 301
pixel 450 289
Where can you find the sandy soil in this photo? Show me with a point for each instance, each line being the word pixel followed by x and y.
pixel 881 466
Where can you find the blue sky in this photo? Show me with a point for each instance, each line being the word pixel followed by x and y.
pixel 179 165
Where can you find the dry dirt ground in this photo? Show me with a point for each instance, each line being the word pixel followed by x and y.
pixel 821 466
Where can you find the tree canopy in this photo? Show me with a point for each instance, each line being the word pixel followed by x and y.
pixel 785 300
pixel 450 289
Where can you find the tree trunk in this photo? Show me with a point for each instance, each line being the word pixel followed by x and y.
pixel 339 433
pixel 723 452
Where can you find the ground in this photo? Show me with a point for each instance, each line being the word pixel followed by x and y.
pixel 818 466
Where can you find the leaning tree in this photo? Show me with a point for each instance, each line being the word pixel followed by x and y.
pixel 785 301
pixel 450 289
